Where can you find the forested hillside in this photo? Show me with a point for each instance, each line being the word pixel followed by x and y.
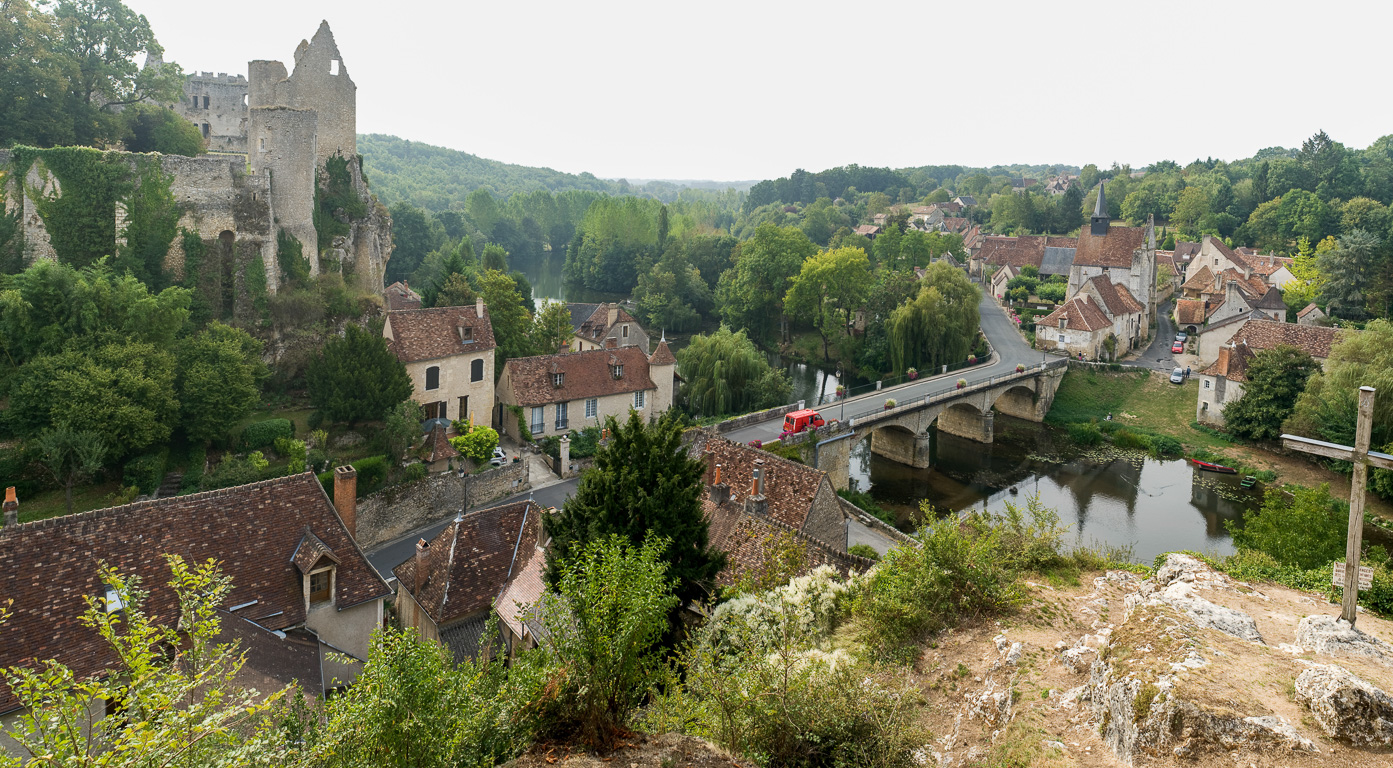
pixel 434 178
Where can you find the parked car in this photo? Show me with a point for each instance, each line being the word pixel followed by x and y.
pixel 500 457
pixel 1181 337
pixel 1177 347
pixel 1178 376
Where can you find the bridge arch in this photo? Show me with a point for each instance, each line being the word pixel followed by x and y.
pixel 901 444
pixel 1020 401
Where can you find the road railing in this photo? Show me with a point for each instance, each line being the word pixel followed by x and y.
pixel 952 393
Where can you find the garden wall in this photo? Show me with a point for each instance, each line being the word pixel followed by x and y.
pixel 394 511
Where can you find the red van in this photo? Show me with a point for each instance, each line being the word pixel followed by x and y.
pixel 798 421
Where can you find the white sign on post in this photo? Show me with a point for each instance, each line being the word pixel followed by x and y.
pixel 1366 576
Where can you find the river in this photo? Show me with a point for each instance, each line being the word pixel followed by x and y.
pixel 1105 496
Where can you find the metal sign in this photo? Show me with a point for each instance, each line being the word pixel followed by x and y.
pixel 1366 576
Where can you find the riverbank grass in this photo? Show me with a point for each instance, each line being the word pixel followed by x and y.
pixel 1140 399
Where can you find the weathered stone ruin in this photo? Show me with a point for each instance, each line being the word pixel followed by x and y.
pixel 279 146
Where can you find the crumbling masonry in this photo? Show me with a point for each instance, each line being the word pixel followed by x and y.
pixel 269 136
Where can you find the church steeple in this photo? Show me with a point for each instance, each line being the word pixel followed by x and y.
pixel 1099 224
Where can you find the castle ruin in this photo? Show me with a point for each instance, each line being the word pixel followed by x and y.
pixel 271 137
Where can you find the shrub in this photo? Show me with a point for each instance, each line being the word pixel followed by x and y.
pixel 863 550
pixel 193 476
pixel 605 637
pixel 1306 532
pixel 413 473
pixel 1125 438
pixel 145 472
pixel 235 470
pixel 889 402
pixel 477 444
pixel 264 433
pixel 1164 445
pixel 868 504
pixel 1085 433
pixel 372 473
pixel 524 433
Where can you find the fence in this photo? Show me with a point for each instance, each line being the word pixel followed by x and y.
pixel 894 381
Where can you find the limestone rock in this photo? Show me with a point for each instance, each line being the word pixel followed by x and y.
pixel 1347 708
pixel 1014 655
pixel 1181 596
pixel 993 705
pixel 1079 660
pixel 1334 636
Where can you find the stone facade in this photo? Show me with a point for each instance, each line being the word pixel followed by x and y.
pixel 393 512
pixel 460 395
pixel 217 104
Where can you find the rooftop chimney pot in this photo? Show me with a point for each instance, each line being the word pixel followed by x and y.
pixel 479 306
pixel 11 507
pixel 422 546
pixel 346 497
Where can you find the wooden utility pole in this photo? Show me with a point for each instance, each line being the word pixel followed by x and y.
pixel 1362 458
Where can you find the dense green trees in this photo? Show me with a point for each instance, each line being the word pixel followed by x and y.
pixel 939 325
pixel 220 372
pixel 356 378
pixel 830 287
pixel 1327 409
pixel 643 480
pixel 725 374
pixel 1307 532
pixel 1276 378
pixel 616 241
pixel 751 293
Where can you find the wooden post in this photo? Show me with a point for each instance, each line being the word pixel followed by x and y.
pixel 1353 544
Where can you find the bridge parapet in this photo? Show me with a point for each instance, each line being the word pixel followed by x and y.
pixel 951 394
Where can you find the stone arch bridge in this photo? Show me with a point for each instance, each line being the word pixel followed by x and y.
pixel 902 433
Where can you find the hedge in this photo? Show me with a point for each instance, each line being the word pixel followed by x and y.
pixel 372 473
pixel 262 434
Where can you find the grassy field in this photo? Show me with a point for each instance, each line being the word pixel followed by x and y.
pixel 1144 399
pixel 51 503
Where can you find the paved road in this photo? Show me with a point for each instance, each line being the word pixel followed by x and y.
pixel 1157 355
pixel 1011 350
pixel 394 553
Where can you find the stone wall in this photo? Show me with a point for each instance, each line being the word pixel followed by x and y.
pixel 281 145
pixel 225 113
pixel 873 522
pixel 400 509
pixel 825 522
pixel 740 422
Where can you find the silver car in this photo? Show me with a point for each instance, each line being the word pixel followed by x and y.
pixel 1178 376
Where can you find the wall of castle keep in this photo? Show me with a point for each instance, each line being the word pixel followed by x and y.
pixel 217 105
pixel 281 144
pixel 319 82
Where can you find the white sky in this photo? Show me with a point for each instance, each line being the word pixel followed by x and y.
pixel 732 89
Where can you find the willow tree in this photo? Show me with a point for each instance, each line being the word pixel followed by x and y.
pixel 828 289
pixel 724 373
pixel 938 326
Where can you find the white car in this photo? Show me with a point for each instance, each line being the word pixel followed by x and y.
pixel 500 457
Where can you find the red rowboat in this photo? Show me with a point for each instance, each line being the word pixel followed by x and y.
pixel 1208 467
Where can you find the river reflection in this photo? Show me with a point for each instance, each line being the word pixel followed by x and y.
pixel 1103 496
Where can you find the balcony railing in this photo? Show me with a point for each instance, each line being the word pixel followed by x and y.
pixel 561 424
pixel 538 428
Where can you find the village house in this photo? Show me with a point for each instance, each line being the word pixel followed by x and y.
pixel 1310 315
pixel 1049 254
pixel 1212 298
pixel 484 564
pixel 965 201
pixel 436 452
pixel 304 597
pixel 1126 255
pixel 559 393
pixel 594 326
pixel 1000 278
pixel 1222 383
pixel 400 296
pixel 1275 270
pixel 1127 315
pixel 868 231
pixel 1258 332
pixel 448 353
pixel 1077 327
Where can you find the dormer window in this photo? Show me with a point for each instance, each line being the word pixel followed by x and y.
pixel 1062 321
pixel 321 586
pixel 466 334
pixel 617 371
pixel 114 605
pixel 557 379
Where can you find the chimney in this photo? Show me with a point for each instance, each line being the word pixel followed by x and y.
pixel 478 306
pixel 420 576
pixel 11 507
pixel 710 457
pixel 720 492
pixel 757 504
pixel 346 497
pixel 612 314
pixel 611 342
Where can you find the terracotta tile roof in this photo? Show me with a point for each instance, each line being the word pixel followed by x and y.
pixel 522 593
pixel 662 355
pixel 751 544
pixel 1237 258
pixel 49 566
pixel 597 325
pixel 1116 298
pixel 972 238
pixel 273 660
pixel 866 230
pixel 1267 265
pixel 1267 334
pixel 1232 363
pixel 1111 250
pixel 1027 250
pixel 437 447
pixel 955 223
pixel 790 487
pixel 429 334
pixel 1185 249
pixel 585 374
pixel 1202 280
pixel 400 296
pixel 1190 311
pixel 310 551
pixel 1079 314
pixel 472 559
pixel 1306 310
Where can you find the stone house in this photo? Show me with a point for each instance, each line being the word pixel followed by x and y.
pixel 1126 255
pixel 1000 279
pixel 1222 383
pixel 448 353
pixel 965 201
pixel 1077 327
pixel 559 393
pixel 868 231
pixel 1127 315
pixel 485 563
pixel 1310 315
pixel 1257 332
pixel 303 593
pixel 436 451
pixel 597 326
pixel 399 296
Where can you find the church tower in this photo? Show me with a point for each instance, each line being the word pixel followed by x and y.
pixel 1100 221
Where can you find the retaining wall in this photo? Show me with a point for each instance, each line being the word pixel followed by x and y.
pixel 392 512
